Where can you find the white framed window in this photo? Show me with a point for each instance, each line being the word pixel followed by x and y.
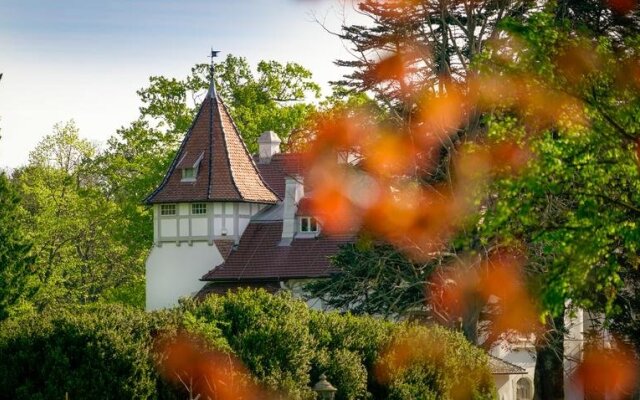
pixel 308 224
pixel 188 174
pixel 167 209
pixel 198 208
pixel 524 389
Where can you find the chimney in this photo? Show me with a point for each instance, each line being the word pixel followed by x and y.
pixel 268 144
pixel 293 192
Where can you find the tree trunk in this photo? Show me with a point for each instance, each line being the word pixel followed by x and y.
pixel 549 373
pixel 470 319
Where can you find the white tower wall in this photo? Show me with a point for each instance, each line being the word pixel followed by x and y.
pixel 174 272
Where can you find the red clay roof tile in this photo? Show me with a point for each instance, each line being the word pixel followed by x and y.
pixel 259 256
pixel 280 166
pixel 226 172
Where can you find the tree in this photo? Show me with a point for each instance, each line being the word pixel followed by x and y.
pixel 613 19
pixel 575 205
pixel 273 99
pixel 541 86
pixel 71 223
pixel 417 47
pixel 16 259
pixel 375 279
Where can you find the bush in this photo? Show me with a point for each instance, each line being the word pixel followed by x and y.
pixel 269 333
pixel 345 370
pixel 99 354
pixel 347 348
pixel 434 363
pixel 107 351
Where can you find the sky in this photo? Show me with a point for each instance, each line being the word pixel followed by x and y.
pixel 84 60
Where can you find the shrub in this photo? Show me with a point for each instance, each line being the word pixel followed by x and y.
pixel 103 354
pixel 269 333
pixel 345 370
pixel 434 363
pixel 107 351
pixel 347 348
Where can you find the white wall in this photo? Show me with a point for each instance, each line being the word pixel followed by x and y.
pixel 174 271
pixel 522 354
pixel 504 386
pixel 221 221
pixel 296 286
pixel 573 346
pixel 184 248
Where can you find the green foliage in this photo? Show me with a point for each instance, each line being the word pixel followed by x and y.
pixel 435 363
pixel 374 279
pixel 72 223
pixel 110 351
pixel 575 206
pixel 273 99
pixel 16 260
pixel 269 333
pixel 347 348
pixel 102 353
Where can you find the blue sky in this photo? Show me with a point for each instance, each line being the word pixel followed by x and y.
pixel 84 60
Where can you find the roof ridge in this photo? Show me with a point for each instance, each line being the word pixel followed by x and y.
pixel 507 362
pixel 225 146
pixel 246 150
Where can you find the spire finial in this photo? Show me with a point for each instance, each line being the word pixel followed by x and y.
pixel 212 83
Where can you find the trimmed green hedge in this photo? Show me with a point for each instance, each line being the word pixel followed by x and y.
pixel 270 334
pixel 106 352
pixel 100 354
pixel 434 363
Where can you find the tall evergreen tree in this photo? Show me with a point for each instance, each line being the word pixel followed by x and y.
pixel 413 47
pixel 16 259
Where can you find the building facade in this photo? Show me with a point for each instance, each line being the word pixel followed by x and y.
pixel 224 218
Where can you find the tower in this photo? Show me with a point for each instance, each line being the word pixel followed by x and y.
pixel 203 204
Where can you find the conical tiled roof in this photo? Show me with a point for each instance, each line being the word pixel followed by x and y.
pixel 225 171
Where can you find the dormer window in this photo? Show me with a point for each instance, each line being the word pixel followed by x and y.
pixel 309 225
pixel 189 164
pixel 188 174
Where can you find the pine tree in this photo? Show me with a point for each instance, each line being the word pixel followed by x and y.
pixel 16 260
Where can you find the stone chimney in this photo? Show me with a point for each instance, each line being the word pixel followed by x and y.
pixel 268 145
pixel 293 192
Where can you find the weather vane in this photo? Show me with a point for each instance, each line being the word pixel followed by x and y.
pixel 214 54
pixel 212 89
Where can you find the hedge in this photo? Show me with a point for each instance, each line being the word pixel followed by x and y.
pixel 103 354
pixel 107 352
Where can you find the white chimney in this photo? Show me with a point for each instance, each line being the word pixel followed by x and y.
pixel 293 192
pixel 268 145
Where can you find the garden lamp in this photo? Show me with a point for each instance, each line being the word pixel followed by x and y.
pixel 325 390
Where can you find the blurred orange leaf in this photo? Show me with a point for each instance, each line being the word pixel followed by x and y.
pixel 186 360
pixel 610 373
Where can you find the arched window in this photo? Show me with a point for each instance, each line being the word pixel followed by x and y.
pixel 524 389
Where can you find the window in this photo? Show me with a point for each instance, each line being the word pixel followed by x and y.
pixel 168 209
pixel 308 224
pixel 198 208
pixel 188 174
pixel 524 389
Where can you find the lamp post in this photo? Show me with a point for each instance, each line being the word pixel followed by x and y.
pixel 325 390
